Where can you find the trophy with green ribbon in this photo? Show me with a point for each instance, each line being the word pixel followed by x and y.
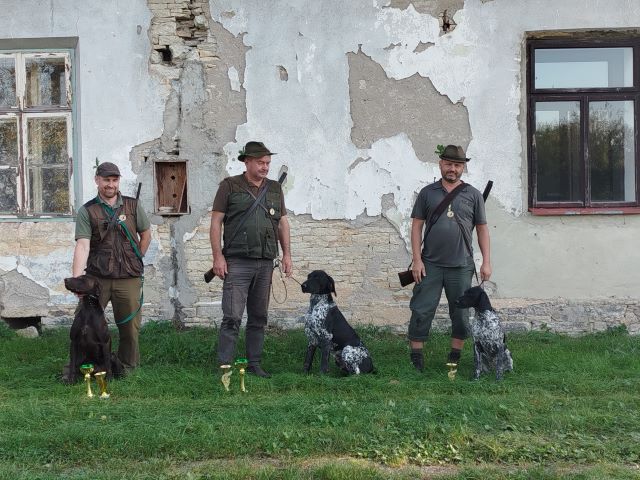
pixel 241 364
pixel 86 369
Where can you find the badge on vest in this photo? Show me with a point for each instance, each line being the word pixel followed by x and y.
pixel 449 212
pixel 122 217
pixel 272 212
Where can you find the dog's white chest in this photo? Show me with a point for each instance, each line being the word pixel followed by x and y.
pixel 315 320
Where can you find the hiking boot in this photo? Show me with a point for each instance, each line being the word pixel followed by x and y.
pixel 417 358
pixel 258 371
pixel 454 356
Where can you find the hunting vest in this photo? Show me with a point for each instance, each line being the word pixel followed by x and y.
pixel 111 254
pixel 257 237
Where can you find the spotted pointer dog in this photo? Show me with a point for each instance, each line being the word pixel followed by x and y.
pixel 489 340
pixel 327 329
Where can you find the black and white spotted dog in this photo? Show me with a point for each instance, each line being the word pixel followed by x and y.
pixel 489 340
pixel 326 328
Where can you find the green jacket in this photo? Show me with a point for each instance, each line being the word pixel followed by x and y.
pixel 258 235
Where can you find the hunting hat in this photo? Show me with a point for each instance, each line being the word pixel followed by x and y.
pixel 254 150
pixel 107 169
pixel 454 154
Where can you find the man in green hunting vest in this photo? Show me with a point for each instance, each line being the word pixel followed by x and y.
pixel 252 232
pixel 112 235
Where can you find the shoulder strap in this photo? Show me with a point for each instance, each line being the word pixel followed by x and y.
pixel 467 241
pixel 249 211
pixel 261 193
pixel 433 218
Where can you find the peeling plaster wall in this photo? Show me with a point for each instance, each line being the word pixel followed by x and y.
pixel 333 174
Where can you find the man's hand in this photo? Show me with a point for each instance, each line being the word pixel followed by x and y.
pixel 485 271
pixel 418 270
pixel 287 265
pixel 220 266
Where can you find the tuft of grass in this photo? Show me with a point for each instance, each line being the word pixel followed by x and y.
pixel 569 410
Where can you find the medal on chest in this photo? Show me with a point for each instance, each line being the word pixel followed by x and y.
pixel 272 212
pixel 450 212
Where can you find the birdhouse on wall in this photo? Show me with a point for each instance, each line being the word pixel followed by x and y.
pixel 171 187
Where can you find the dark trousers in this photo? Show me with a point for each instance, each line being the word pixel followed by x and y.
pixel 247 283
pixel 426 296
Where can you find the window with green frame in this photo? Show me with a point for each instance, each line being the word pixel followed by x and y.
pixel 36 141
pixel 583 100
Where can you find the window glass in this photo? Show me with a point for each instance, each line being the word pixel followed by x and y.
pixel 46 81
pixel 8 165
pixel 583 67
pixel 48 164
pixel 49 189
pixel 557 147
pixel 47 140
pixel 8 141
pixel 7 82
pixel 612 151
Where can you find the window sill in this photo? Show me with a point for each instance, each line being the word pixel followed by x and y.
pixel 584 211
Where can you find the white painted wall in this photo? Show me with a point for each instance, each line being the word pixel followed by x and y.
pixel 121 105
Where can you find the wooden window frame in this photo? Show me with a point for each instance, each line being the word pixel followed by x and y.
pixel 23 113
pixel 583 96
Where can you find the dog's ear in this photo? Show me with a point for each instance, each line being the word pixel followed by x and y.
pixel 333 285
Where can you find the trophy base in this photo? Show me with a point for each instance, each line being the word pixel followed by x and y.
pixel 453 369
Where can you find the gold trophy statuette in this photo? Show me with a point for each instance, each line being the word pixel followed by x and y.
pixel 86 369
pixel 241 364
pixel 226 376
pixel 453 369
pixel 101 378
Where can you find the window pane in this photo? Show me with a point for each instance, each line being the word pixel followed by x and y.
pixel 46 83
pixel 7 82
pixel 8 190
pixel 47 141
pixel 49 190
pixel 48 160
pixel 612 151
pixel 8 142
pixel 583 67
pixel 557 141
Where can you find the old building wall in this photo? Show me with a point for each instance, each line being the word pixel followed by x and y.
pixel 354 97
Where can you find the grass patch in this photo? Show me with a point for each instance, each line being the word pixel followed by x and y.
pixel 569 410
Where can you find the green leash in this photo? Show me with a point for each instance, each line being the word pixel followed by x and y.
pixel 111 214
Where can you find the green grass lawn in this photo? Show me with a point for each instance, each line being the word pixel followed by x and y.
pixel 571 409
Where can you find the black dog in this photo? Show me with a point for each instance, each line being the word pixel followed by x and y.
pixel 326 327
pixel 489 340
pixel 90 338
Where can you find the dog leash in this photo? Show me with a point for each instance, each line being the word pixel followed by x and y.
pixel 277 264
pixel 111 213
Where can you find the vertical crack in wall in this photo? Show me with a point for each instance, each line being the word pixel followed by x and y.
pixel 200 117
pixel 178 309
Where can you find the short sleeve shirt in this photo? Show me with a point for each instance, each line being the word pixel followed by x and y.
pixel 222 196
pixel 83 223
pixel 445 245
